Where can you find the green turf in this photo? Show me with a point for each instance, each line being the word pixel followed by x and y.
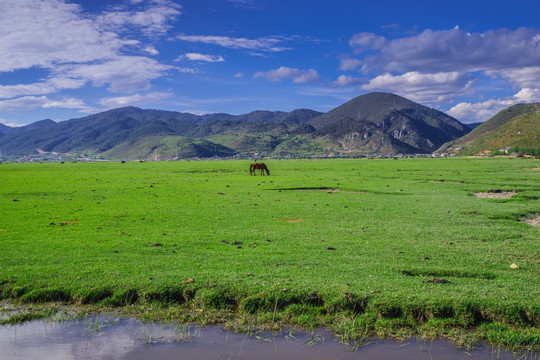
pixel 352 244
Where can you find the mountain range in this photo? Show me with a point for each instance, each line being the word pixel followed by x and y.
pixel 373 123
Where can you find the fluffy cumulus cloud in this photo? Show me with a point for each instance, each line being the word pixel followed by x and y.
pixel 76 48
pixel 296 75
pixel 425 88
pixel 201 57
pixel 135 100
pixel 528 95
pixel 482 111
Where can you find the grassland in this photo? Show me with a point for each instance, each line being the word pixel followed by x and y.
pixel 365 247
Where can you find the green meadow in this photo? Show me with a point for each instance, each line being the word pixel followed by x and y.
pixel 363 247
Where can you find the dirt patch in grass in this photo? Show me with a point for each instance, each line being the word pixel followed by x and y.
pixel 293 220
pixel 535 221
pixel 496 194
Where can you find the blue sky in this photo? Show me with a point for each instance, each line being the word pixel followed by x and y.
pixel 63 59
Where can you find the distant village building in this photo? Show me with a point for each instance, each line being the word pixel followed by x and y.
pixel 505 150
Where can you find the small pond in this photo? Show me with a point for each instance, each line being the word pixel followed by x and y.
pixel 112 338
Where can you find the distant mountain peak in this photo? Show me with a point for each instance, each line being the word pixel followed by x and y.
pixel 403 125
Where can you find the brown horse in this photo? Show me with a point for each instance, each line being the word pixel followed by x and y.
pixel 258 166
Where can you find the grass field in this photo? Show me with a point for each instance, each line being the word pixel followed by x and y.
pixel 366 247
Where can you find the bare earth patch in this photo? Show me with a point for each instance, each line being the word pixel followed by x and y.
pixel 496 194
pixel 534 221
pixel 293 220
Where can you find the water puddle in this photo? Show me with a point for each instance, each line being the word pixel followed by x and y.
pixel 109 338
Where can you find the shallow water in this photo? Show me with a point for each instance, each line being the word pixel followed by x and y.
pixel 109 338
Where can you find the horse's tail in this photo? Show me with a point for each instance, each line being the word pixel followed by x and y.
pixel 251 169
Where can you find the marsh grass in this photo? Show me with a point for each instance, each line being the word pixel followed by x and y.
pixel 385 247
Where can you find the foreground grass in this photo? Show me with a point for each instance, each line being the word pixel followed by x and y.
pixel 404 247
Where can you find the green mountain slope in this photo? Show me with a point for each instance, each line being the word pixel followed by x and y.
pixel 133 133
pixel 518 125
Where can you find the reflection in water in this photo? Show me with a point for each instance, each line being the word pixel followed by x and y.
pixel 109 338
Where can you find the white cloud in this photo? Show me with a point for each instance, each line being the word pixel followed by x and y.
pixel 187 70
pixel 201 57
pixel 269 44
pixel 423 88
pixel 528 76
pixel 10 91
pixel 469 113
pixel 151 50
pixel 346 80
pixel 135 100
pixel 452 50
pixel 9 123
pixel 68 103
pixel 122 74
pixel 296 75
pixel 437 65
pixel 46 87
pixel 367 40
pixel 42 33
pixel 482 111
pixel 33 102
pixel 348 63
pixel 528 95
pixel 77 48
pixel 152 19
pixel 238 75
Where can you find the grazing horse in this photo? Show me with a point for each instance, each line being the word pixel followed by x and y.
pixel 261 166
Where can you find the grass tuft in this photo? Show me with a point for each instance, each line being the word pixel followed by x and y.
pixel 53 294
